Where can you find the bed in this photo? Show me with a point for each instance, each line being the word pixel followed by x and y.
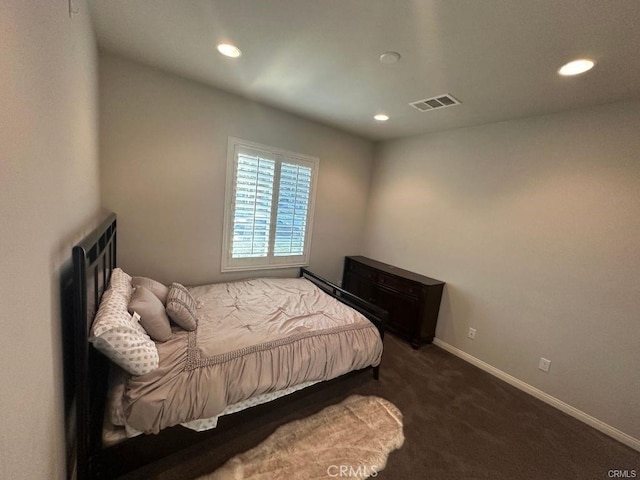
pixel 240 343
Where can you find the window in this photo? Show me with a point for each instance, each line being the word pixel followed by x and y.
pixel 269 202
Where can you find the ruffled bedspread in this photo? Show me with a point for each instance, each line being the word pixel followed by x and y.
pixel 253 337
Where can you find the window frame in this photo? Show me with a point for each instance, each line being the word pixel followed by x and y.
pixel 234 147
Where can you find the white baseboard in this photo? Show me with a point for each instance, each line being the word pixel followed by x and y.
pixel 545 397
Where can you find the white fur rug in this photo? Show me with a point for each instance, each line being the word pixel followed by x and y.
pixel 349 440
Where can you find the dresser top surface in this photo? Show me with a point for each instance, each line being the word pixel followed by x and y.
pixel 390 269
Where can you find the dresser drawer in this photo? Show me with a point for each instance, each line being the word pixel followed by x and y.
pixel 364 271
pixel 399 284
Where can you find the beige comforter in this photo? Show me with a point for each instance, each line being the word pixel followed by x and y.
pixel 253 337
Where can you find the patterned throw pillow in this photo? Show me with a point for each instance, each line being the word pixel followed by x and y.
pixel 121 282
pixel 181 307
pixel 120 337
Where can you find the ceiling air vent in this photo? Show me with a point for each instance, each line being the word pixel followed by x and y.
pixel 433 103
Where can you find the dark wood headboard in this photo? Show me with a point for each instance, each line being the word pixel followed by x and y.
pixel 94 258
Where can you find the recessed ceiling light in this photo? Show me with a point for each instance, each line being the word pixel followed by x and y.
pixel 576 67
pixel 229 50
pixel 389 57
pixel 381 117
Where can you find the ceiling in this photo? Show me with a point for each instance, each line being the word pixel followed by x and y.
pixel 320 58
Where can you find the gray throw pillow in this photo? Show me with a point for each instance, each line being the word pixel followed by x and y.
pixel 159 289
pixel 181 307
pixel 153 316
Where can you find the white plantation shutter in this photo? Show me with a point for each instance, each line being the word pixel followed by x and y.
pixel 252 212
pixel 268 207
pixel 293 208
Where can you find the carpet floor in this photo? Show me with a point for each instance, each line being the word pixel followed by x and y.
pixel 459 423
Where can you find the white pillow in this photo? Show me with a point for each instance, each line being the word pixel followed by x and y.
pixel 121 282
pixel 118 335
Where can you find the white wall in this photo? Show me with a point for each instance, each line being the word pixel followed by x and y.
pixel 48 192
pixel 163 153
pixel 534 225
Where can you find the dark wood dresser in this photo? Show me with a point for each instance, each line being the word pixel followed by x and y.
pixel 412 300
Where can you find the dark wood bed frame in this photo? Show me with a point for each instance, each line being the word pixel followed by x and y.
pixel 94 258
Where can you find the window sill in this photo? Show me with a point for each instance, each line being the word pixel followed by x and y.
pixel 249 268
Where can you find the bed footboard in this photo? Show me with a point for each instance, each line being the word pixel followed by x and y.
pixel 375 314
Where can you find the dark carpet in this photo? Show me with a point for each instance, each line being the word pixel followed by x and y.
pixel 459 423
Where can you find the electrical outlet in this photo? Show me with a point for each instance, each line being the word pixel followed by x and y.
pixel 544 364
pixel 472 333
